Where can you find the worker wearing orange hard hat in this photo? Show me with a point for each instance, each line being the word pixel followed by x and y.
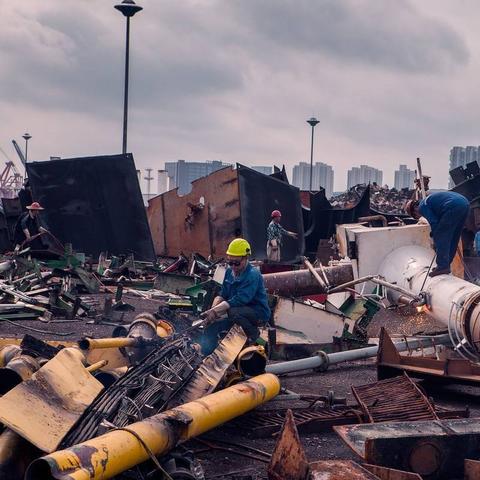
pixel 243 297
pixel 275 233
pixel 29 226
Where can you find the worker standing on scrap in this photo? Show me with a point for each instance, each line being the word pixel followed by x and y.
pixel 29 226
pixel 275 233
pixel 242 297
pixel 446 213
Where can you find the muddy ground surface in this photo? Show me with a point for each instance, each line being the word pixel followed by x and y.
pixel 338 378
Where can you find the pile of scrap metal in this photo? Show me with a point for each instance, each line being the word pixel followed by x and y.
pixel 116 407
pixel 31 289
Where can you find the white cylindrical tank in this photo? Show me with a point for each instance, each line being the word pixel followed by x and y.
pixel 451 300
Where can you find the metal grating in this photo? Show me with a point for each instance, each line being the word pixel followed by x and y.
pixel 394 400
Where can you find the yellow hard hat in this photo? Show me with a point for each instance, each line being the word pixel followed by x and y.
pixel 239 248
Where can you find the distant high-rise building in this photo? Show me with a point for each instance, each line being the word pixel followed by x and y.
pixel 163 182
pixel 364 174
pixel 404 177
pixel 264 170
pixel 460 156
pixel 181 173
pixel 322 176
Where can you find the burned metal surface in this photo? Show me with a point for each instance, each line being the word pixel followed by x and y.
pixel 434 449
pixel 288 460
pixel 43 408
pixel 395 399
pixel 81 198
pixel 450 370
pixel 213 367
pixel 259 195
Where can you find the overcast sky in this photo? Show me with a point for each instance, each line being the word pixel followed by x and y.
pixel 235 80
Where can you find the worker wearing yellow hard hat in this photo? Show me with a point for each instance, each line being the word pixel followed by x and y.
pixel 243 297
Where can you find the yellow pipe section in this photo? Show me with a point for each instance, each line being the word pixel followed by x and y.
pixel 97 366
pixel 117 342
pixel 118 450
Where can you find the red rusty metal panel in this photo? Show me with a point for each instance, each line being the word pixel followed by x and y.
pixel 179 225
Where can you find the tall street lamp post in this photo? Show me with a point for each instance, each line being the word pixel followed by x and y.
pixel 312 122
pixel 26 137
pixel 128 8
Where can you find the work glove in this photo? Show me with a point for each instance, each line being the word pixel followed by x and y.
pixel 209 316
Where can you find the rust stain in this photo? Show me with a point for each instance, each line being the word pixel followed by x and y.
pixel 84 454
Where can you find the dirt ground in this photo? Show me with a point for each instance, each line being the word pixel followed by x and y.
pixel 339 378
pixel 322 446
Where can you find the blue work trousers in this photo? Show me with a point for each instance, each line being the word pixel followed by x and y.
pixel 245 316
pixel 447 234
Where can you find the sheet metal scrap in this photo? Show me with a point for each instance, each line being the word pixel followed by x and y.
pixel 288 462
pixel 452 370
pixel 395 399
pixel 435 449
pixel 213 367
pixel 143 391
pixel 43 408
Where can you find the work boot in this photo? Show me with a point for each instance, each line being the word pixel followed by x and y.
pixel 439 271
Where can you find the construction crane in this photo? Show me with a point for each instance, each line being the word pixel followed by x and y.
pixel 19 153
pixel 10 179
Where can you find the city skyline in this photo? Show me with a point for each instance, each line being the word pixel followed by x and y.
pixel 407 175
pixel 187 99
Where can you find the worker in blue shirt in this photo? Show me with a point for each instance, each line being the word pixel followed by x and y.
pixel 446 213
pixel 243 297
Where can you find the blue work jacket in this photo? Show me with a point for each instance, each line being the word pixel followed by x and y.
pixel 246 290
pixel 439 203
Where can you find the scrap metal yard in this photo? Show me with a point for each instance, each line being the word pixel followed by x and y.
pixel 367 367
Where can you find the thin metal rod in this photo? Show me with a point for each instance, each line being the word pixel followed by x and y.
pixel 311 159
pixel 125 98
pixel 26 157
pixel 378 281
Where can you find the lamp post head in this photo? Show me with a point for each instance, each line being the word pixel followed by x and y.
pixel 313 121
pixel 26 137
pixel 128 7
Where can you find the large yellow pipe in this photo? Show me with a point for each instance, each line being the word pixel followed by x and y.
pixel 116 451
pixel 117 342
